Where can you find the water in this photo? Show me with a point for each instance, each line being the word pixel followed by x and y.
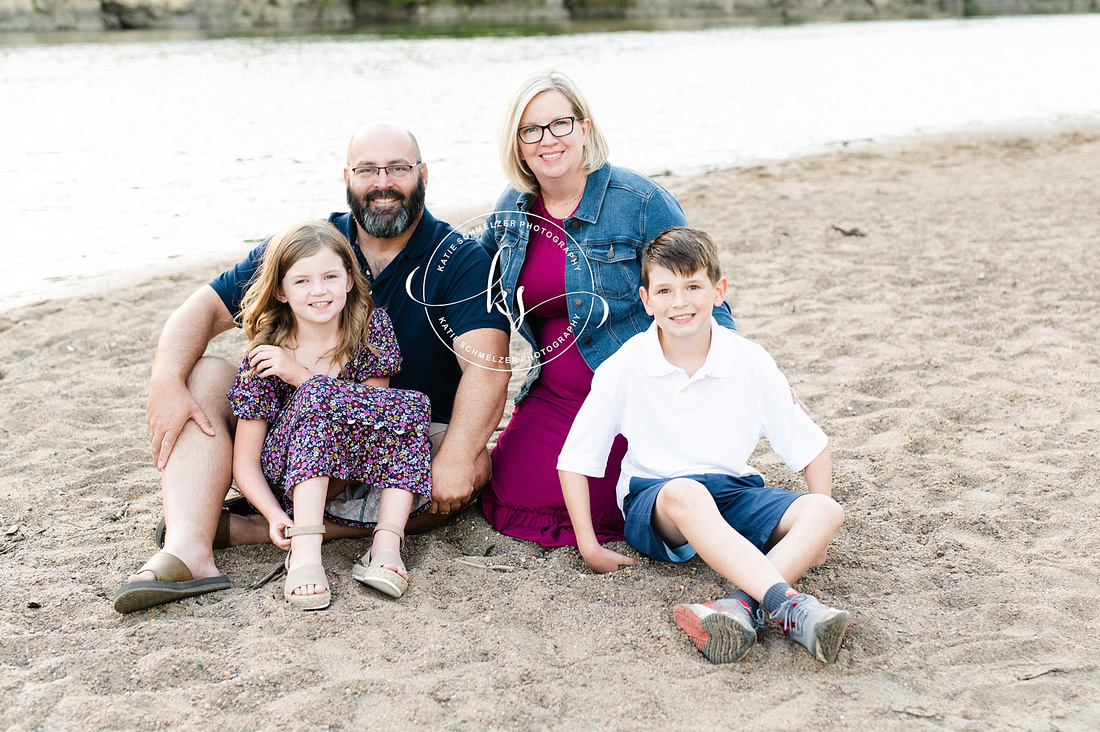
pixel 139 156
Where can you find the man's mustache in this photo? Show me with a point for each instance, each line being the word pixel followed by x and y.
pixel 389 193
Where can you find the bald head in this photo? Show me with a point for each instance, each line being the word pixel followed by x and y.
pixel 382 143
pixel 386 203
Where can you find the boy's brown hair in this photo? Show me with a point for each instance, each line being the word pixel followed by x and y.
pixel 682 250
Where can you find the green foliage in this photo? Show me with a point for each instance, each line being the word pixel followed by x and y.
pixel 405 3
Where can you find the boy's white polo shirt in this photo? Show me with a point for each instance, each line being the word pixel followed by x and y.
pixel 678 425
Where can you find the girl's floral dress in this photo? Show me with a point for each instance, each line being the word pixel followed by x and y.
pixel 341 428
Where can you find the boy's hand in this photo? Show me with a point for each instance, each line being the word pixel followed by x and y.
pixel 796 400
pixel 603 560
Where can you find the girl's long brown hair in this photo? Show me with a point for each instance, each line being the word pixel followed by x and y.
pixel 267 321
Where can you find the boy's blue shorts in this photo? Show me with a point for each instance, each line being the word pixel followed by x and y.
pixel 750 507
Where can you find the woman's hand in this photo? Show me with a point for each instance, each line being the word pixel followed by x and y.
pixel 276 361
pixel 276 529
pixel 602 560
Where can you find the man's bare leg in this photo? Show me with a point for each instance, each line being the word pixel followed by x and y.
pixel 198 474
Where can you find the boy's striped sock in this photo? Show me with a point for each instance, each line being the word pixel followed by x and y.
pixel 776 596
pixel 754 608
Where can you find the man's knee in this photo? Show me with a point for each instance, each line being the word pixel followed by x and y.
pixel 208 383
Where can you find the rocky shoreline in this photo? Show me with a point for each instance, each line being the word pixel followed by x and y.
pixel 304 15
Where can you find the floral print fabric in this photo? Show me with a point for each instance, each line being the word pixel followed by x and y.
pixel 339 427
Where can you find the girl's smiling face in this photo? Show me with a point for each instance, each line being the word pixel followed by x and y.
pixel 316 287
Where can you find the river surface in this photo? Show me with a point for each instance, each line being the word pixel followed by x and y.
pixel 119 158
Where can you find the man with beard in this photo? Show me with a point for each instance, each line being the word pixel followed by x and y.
pixel 454 350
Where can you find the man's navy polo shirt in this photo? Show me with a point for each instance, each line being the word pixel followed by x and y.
pixel 451 275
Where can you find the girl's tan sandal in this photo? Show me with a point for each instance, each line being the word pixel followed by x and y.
pixel 309 574
pixel 374 574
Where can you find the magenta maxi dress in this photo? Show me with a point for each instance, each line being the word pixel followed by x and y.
pixel 525 499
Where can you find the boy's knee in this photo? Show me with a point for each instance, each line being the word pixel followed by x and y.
pixel 825 510
pixel 684 493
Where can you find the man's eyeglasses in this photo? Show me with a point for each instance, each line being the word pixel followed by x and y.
pixel 365 172
pixel 560 127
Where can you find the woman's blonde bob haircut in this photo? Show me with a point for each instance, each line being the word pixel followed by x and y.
pixel 535 83
pixel 269 322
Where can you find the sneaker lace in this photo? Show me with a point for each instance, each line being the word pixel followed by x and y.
pixel 758 618
pixel 792 614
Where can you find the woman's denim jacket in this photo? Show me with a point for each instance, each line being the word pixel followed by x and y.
pixel 619 212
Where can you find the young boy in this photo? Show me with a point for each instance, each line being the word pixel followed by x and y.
pixel 692 399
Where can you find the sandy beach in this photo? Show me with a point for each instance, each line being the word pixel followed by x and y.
pixel 934 303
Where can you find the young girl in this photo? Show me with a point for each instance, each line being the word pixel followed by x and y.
pixel 319 435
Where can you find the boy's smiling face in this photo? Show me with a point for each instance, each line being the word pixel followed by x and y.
pixel 682 304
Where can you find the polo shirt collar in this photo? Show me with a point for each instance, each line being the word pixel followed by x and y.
pixel 419 243
pixel 422 239
pixel 719 361
pixel 655 362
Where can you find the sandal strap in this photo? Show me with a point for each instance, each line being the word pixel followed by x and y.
pixel 309 574
pixel 392 528
pixel 299 530
pixel 390 558
pixel 167 568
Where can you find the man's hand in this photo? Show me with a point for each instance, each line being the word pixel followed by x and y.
pixel 276 361
pixel 182 342
pixel 602 560
pixel 452 483
pixel 166 413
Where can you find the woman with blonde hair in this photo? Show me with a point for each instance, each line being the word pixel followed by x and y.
pixel 567 238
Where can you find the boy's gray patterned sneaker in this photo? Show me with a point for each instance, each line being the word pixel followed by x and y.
pixel 757 618
pixel 819 628
pixel 722 629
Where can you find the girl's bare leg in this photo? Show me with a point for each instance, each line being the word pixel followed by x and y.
pixel 309 509
pixel 393 508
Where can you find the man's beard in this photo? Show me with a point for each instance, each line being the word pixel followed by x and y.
pixel 388 224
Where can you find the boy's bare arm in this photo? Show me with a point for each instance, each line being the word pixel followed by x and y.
pixel 819 473
pixel 819 479
pixel 574 488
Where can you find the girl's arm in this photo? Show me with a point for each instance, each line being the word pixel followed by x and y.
pixel 382 381
pixel 247 446
pixel 574 488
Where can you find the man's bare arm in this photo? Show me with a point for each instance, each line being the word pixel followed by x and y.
pixel 479 404
pixel 182 342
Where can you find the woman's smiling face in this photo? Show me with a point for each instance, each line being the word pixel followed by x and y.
pixel 553 158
